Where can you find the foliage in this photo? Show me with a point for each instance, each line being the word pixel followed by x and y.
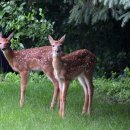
pixel 105 37
pixel 29 23
pixel 12 77
pixel 92 11
pixel 35 78
pixel 115 89
pixel 116 63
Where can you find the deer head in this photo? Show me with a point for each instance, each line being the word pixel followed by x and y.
pixel 57 45
pixel 5 42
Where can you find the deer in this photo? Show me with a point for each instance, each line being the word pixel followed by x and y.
pixel 26 60
pixel 80 65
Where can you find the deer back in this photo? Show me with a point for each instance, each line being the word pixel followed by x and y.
pixel 78 62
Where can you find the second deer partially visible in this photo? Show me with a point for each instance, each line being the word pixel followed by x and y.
pixel 79 64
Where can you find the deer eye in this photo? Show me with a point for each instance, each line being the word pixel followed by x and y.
pixel 52 45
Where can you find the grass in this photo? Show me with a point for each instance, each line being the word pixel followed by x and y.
pixel 37 115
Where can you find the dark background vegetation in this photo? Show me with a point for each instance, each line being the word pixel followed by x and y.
pixel 100 26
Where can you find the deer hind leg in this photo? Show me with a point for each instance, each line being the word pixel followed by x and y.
pixel 63 92
pixel 24 79
pixel 51 76
pixel 88 80
pixel 81 80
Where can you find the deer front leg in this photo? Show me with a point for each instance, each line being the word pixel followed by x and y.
pixel 63 92
pixel 55 93
pixel 24 78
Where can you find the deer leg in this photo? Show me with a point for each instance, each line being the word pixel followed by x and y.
pixel 61 87
pixel 51 76
pixel 55 93
pixel 24 78
pixel 90 93
pixel 84 85
pixel 63 92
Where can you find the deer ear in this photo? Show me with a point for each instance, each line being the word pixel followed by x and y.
pixel 10 35
pixel 51 39
pixel 62 38
pixel 1 35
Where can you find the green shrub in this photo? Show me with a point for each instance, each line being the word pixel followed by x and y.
pixel 115 89
pixel 30 24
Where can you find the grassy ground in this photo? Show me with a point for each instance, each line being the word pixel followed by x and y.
pixel 37 115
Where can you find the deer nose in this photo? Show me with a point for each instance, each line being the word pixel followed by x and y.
pixel 58 51
pixel 60 48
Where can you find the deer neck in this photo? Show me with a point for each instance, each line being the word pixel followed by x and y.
pixel 57 64
pixel 9 55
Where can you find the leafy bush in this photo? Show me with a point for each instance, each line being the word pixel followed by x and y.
pixel 108 63
pixel 1 77
pixel 34 78
pixel 116 88
pixel 30 24
pixel 12 78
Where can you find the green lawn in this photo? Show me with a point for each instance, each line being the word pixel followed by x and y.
pixel 37 115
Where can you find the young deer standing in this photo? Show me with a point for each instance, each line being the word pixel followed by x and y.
pixel 78 64
pixel 24 61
